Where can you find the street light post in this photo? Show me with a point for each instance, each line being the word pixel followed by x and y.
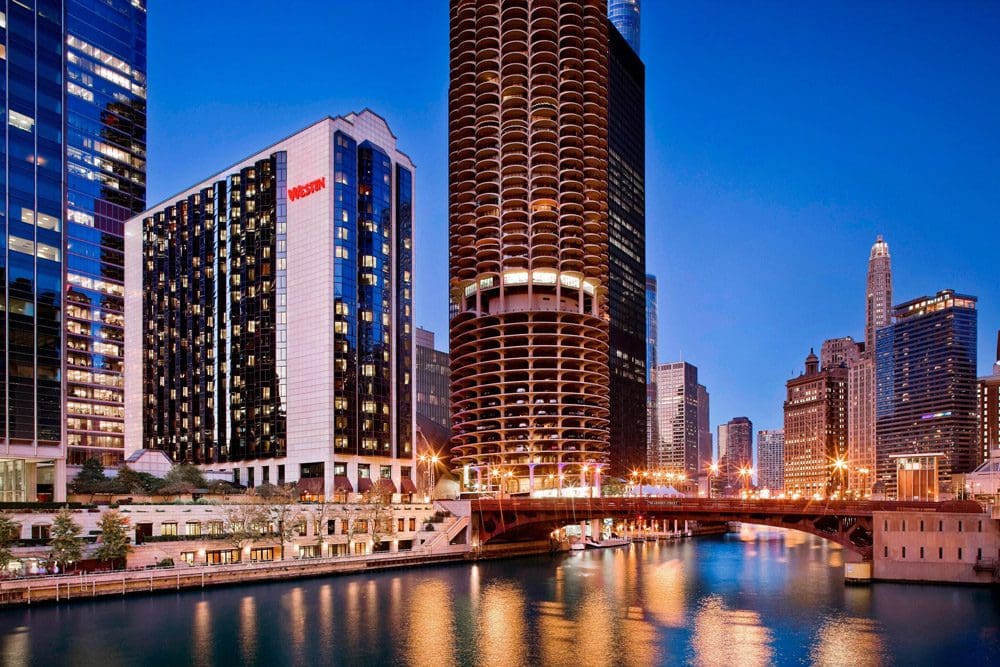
pixel 713 472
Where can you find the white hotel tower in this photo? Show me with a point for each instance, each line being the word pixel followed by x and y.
pixel 269 315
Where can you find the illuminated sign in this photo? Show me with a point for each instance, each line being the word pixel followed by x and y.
pixel 300 191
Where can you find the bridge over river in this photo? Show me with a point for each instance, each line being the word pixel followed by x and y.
pixel 846 522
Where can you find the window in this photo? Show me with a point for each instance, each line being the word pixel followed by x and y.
pixel 168 529
pixel 979 553
pixel 886 552
pixel 904 552
pixel 940 526
pixel 262 554
pixel 192 528
pixel 960 553
pixel 20 121
pixel 940 553
pixel 980 525
pixel 309 551
pixel 364 471
pixel 222 557
pixel 413 524
pixel 385 472
pixel 331 526
pixel 904 525
pixel 400 525
pixel 885 525
pixel 215 528
pixel 361 526
pixel 921 525
pixel 960 526
pixel 187 557
pixel 921 553
pixel 40 532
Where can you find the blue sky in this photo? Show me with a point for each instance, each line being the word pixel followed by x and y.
pixel 781 138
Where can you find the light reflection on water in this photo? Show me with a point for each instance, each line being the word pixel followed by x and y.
pixel 757 598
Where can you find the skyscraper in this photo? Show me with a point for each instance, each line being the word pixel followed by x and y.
pixel 73 165
pixel 735 454
pixel 815 429
pixel 677 417
pixel 433 371
pixel 925 384
pixel 528 224
pixel 652 436
pixel 269 314
pixel 861 373
pixel 878 312
pixel 705 458
pixel 624 14
pixel 627 281
pixel 771 460
pixel 989 410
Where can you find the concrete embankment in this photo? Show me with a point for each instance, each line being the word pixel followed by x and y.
pixel 65 588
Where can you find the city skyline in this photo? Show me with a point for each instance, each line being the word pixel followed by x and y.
pixel 732 194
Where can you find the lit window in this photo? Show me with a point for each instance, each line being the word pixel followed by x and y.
pixel 21 245
pixel 20 121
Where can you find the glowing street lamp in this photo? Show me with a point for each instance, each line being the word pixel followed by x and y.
pixel 713 471
pixel 840 466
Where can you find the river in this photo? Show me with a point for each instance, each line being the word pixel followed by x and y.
pixel 754 598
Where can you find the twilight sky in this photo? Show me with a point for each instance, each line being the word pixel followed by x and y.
pixel 781 138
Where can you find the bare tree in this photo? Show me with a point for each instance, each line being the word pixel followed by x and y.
pixel 282 510
pixel 319 515
pixel 378 510
pixel 244 521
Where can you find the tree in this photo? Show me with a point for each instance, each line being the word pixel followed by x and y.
pixel 90 477
pixel 320 514
pixel 244 521
pixel 65 545
pixel 185 473
pixel 378 509
pixel 281 508
pixel 114 544
pixel 9 533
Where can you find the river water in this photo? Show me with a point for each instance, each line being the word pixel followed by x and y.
pixel 754 598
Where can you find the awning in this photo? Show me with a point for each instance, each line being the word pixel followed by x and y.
pixel 386 485
pixel 364 484
pixel 407 485
pixel 311 485
pixel 342 484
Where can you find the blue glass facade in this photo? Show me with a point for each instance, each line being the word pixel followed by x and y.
pixel 404 312
pixel 624 14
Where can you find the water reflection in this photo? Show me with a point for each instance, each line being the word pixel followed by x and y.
pixel 431 625
pixel 201 634
pixel 730 636
pixel 248 629
pixel 501 625
pixel 846 640
pixel 704 602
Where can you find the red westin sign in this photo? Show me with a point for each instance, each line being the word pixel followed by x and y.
pixel 300 191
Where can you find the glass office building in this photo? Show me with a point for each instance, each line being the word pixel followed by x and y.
pixel 624 14
pixel 73 76
pixel 925 387
pixel 269 322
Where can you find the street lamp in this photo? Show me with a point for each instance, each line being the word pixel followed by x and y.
pixel 745 473
pixel 840 466
pixel 713 471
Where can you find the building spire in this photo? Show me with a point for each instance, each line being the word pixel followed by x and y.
pixel 878 307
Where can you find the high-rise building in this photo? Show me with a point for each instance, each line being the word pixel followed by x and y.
pixel 624 14
pixel 925 385
pixel 771 460
pixel 735 455
pixel 433 371
pixel 816 430
pixel 988 393
pixel 677 417
pixel 839 352
pixel 705 457
pixel 269 314
pixel 861 374
pixel 627 281
pixel 73 168
pixel 528 224
pixel 652 434
pixel 878 310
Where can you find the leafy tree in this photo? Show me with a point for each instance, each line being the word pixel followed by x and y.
pixel 114 544
pixel 612 487
pixel 65 544
pixel 90 477
pixel 131 481
pixel 9 533
pixel 185 473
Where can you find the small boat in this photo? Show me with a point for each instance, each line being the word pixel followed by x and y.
pixel 610 542
pixel 577 545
